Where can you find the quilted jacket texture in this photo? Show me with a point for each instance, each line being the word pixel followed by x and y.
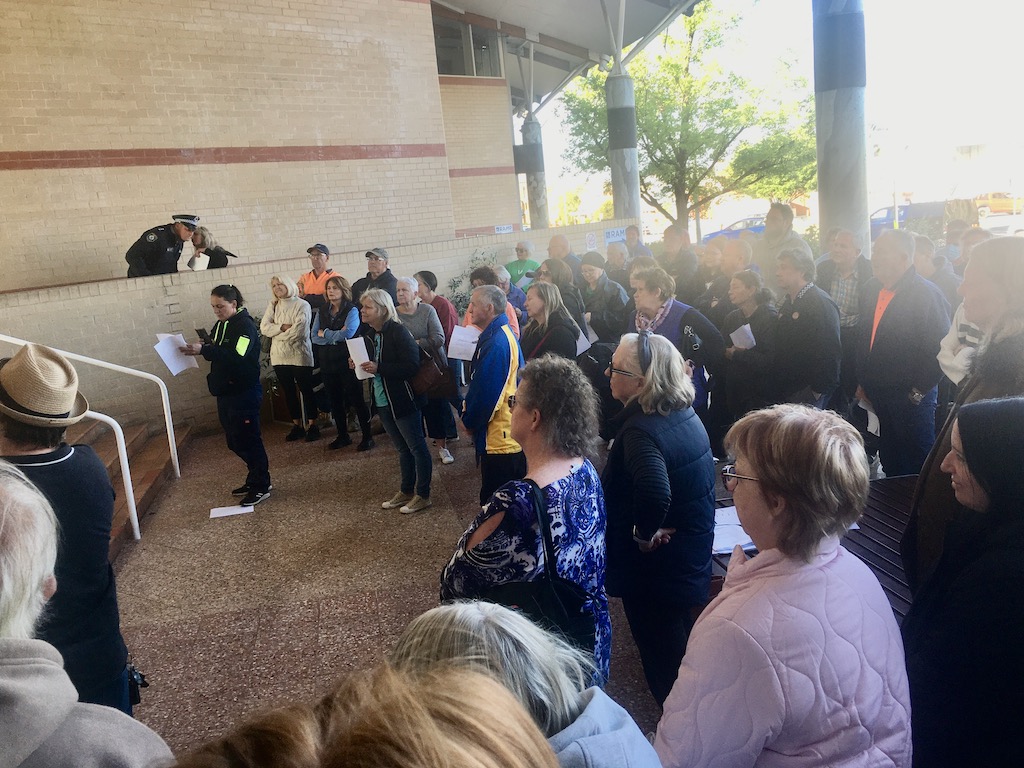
pixel 793 664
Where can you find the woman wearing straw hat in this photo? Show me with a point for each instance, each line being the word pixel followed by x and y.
pixel 39 400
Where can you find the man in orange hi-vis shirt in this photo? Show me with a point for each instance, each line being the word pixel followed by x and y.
pixel 897 366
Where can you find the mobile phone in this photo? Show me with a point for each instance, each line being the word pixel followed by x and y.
pixel 202 334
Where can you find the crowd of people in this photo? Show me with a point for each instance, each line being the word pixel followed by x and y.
pixel 797 660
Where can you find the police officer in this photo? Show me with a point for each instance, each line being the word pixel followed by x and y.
pixel 157 251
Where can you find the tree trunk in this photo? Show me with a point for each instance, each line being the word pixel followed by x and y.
pixel 696 219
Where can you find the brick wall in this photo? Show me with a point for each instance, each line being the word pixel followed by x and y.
pixel 478 134
pixel 279 122
pixel 117 320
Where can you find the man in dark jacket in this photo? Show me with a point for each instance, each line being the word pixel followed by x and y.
pixel 905 319
pixel 937 270
pixel 157 250
pixel 604 301
pixel 679 260
pixel 807 346
pixel 843 276
pixel 378 275
pixel 714 303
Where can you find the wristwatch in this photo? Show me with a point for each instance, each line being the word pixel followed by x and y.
pixel 916 396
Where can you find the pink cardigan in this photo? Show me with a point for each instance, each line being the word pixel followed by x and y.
pixel 793 664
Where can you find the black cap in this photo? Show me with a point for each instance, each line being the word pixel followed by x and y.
pixel 320 247
pixel 593 259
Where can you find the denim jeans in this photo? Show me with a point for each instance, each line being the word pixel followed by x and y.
pixel 414 459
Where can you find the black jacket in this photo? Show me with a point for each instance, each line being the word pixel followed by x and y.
pixel 683 268
pixel 156 252
pixel 218 257
pixel 748 371
pixel 607 307
pixel 573 300
pixel 947 281
pixel 660 474
pixel 398 362
pixel 559 336
pixel 714 303
pixel 907 340
pixel 807 347
pixel 234 355
pixel 386 282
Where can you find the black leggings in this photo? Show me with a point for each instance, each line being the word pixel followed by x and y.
pixel 294 379
pixel 346 391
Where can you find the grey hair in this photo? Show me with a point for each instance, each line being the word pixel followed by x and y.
pixel 666 386
pixel 383 302
pixel 409 282
pixel 568 405
pixel 903 240
pixel 619 246
pixel 28 553
pixel 206 236
pixel 544 672
pixel 527 244
pixel 493 295
pixel 503 274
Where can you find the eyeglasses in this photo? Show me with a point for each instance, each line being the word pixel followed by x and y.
pixel 621 372
pixel 520 250
pixel 375 258
pixel 511 402
pixel 730 479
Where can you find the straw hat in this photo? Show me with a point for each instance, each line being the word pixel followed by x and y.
pixel 39 387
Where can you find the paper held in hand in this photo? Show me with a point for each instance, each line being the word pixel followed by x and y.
pixel 463 343
pixel 743 337
pixel 357 350
pixel 169 347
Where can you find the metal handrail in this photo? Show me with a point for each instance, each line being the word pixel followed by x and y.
pixel 126 475
pixel 168 424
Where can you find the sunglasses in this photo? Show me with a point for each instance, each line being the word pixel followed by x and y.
pixel 730 479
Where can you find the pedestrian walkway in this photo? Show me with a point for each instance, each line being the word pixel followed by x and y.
pixel 230 616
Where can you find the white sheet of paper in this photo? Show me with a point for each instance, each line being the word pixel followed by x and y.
pixel 582 344
pixel 873 425
pixel 162 336
pixel 743 337
pixel 229 511
pixel 592 335
pixel 729 532
pixel 463 343
pixel 727 516
pixel 357 350
pixel 169 349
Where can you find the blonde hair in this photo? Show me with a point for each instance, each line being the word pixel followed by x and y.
pixel 545 673
pixel 1002 261
pixel 28 553
pixel 383 301
pixel 287 282
pixel 812 460
pixel 206 236
pixel 384 718
pixel 666 386
pixel 551 295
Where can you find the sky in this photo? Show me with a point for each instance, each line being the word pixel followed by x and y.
pixel 941 75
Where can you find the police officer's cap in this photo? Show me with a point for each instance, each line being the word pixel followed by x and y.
pixel 190 220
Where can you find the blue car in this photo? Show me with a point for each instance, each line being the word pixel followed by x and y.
pixel 753 224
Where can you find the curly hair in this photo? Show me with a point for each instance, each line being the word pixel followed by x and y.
pixel 567 403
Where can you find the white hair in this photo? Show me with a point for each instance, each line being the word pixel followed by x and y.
pixel 409 282
pixel 28 553
pixel 503 274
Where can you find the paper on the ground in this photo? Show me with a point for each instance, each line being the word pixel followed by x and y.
pixel 463 343
pixel 169 349
pixel 359 355
pixel 729 532
pixel 743 337
pixel 582 344
pixel 873 425
pixel 229 511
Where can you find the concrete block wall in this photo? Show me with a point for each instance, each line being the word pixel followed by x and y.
pixel 478 134
pixel 271 119
pixel 117 320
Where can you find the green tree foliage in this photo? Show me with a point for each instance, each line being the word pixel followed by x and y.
pixel 702 132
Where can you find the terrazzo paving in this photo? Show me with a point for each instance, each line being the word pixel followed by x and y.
pixel 233 615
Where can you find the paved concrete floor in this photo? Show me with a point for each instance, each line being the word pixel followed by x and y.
pixel 234 615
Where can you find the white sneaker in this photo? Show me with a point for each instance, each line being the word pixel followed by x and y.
pixel 446 456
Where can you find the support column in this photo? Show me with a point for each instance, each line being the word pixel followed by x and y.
pixel 622 154
pixel 839 80
pixel 529 159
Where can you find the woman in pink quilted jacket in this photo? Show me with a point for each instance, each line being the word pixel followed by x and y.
pixel 798 661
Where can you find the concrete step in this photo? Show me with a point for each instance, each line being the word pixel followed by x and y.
pixel 151 468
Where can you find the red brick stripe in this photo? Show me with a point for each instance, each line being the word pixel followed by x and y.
pixel 498 170
pixel 114 158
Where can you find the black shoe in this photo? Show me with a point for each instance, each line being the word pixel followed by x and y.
pixel 366 444
pixel 313 434
pixel 340 442
pixel 297 433
pixel 255 497
pixel 243 490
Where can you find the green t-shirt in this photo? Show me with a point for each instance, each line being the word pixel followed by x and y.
pixel 380 397
pixel 518 269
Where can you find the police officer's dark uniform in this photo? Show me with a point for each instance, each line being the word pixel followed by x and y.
pixel 157 251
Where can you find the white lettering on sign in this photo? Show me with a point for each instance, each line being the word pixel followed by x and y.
pixel 617 235
pixel 503 229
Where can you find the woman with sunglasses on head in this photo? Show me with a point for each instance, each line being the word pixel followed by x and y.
pixel 798 661
pixel 659 487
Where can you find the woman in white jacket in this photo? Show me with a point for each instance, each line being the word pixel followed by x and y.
pixel 286 322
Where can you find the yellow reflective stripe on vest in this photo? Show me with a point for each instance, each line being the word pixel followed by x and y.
pixel 242 345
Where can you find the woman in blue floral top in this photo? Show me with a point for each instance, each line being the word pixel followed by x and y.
pixel 554 419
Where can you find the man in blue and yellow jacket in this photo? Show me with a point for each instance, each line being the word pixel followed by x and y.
pixel 487 415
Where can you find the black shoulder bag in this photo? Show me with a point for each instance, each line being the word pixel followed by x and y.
pixel 550 601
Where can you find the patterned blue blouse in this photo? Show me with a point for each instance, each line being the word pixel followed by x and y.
pixel 512 552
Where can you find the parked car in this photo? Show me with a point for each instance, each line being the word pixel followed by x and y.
pixel 998 202
pixel 753 224
pixel 925 218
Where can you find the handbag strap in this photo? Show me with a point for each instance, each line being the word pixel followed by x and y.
pixel 540 506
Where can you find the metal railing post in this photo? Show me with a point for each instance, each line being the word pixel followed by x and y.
pixel 126 473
